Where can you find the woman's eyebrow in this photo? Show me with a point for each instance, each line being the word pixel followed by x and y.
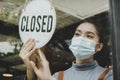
pixel 78 30
pixel 89 32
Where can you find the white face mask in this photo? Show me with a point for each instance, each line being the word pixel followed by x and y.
pixel 82 48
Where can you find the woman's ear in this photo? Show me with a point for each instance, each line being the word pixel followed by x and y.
pixel 99 47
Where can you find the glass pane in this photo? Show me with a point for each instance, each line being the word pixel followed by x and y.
pixel 70 14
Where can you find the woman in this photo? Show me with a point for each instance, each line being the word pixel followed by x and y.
pixel 86 42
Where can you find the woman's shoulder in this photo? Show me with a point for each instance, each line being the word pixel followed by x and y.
pixel 108 72
pixel 99 70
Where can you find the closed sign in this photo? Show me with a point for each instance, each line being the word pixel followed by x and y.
pixel 38 21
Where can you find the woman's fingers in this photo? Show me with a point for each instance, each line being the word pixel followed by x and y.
pixel 26 43
pixel 28 47
pixel 38 61
pixel 27 50
pixel 41 55
pixel 32 51
pixel 33 66
pixel 24 52
pixel 41 68
pixel 44 61
pixel 30 44
pixel 36 70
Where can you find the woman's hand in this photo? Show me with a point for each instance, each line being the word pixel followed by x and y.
pixel 41 69
pixel 26 51
pixel 26 54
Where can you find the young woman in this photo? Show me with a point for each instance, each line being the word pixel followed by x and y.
pixel 86 42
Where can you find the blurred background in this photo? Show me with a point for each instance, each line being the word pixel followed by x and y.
pixel 69 14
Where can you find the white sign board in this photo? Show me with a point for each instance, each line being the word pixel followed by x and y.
pixel 38 21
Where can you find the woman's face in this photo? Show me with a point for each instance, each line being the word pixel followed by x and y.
pixel 87 30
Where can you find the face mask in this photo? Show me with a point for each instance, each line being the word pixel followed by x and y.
pixel 82 48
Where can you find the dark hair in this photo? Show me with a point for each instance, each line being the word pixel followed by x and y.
pixel 101 27
pixel 103 30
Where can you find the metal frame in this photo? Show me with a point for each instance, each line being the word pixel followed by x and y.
pixel 115 25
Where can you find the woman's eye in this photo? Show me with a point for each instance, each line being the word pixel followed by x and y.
pixel 76 34
pixel 90 36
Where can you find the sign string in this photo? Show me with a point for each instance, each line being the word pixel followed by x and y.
pixel 52 3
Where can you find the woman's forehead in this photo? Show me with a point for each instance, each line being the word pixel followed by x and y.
pixel 87 27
